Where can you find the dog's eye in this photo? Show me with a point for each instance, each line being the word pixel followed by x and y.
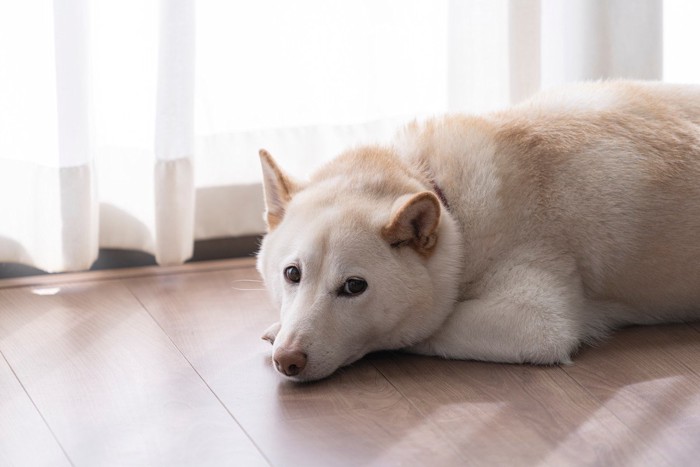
pixel 292 274
pixel 353 286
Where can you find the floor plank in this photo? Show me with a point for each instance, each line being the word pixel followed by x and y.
pixel 513 414
pixel 356 417
pixel 109 382
pixel 24 437
pixel 49 280
pixel 649 378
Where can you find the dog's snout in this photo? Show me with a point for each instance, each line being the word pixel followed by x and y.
pixel 289 361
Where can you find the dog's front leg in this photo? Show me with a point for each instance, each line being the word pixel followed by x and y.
pixel 536 320
pixel 270 333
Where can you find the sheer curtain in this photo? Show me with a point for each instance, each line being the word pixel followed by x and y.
pixel 136 124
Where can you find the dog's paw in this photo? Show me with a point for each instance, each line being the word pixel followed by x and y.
pixel 271 332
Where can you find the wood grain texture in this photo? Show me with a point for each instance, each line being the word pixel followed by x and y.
pixel 24 437
pixel 170 369
pixel 109 274
pixel 648 377
pixel 695 325
pixel 500 414
pixel 109 382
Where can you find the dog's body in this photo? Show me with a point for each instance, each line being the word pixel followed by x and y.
pixel 512 237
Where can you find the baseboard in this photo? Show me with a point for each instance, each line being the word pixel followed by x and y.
pixel 204 250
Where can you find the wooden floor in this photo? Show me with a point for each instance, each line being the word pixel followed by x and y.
pixel 166 367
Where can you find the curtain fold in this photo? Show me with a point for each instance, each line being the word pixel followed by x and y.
pixel 136 124
pixel 594 39
pixel 76 180
pixel 48 206
pixel 174 133
pixel 145 120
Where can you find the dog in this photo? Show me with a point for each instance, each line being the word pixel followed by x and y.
pixel 516 236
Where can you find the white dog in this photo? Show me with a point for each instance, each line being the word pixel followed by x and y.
pixel 512 237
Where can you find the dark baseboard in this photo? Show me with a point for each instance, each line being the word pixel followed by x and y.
pixel 204 250
pixel 224 248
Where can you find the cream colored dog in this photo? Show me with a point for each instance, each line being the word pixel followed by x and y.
pixel 512 237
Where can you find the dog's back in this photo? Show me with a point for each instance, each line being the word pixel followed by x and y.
pixel 606 175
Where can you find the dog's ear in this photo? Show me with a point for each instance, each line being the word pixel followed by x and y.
pixel 278 188
pixel 414 222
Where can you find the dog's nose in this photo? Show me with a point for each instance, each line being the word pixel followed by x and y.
pixel 289 361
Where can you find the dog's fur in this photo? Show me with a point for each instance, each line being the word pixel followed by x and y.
pixel 512 237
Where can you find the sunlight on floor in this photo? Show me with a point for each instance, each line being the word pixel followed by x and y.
pixel 46 291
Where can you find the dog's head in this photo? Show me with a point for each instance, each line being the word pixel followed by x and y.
pixel 360 258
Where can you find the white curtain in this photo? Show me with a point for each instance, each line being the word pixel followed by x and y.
pixel 136 124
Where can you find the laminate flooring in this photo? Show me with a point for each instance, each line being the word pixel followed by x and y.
pixel 165 366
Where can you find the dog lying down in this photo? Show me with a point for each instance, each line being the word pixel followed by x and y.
pixel 512 237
